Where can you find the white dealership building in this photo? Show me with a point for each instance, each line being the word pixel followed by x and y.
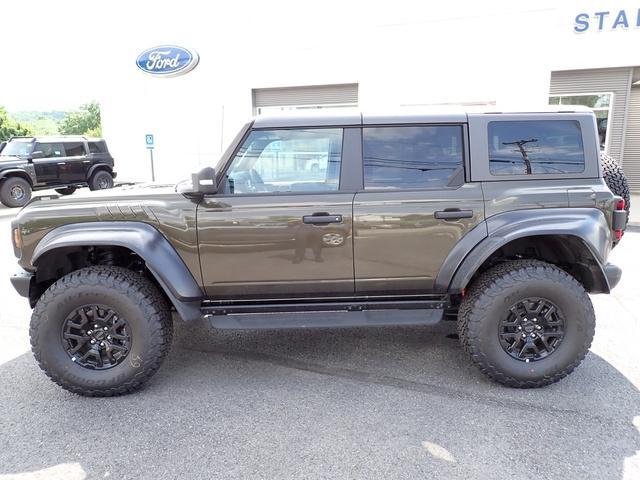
pixel 268 57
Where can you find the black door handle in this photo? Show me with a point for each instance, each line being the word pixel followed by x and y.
pixel 453 214
pixel 315 219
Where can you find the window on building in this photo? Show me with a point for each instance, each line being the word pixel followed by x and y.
pixel 50 150
pixel 535 147
pixel 74 149
pixel 304 160
pixel 411 157
pixel 600 103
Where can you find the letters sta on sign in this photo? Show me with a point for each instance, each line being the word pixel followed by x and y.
pixel 167 61
pixel 607 20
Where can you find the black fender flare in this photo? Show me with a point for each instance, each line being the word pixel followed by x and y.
pixel 99 166
pixel 28 176
pixel 589 225
pixel 146 241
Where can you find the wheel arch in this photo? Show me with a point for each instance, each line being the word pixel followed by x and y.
pixel 16 173
pixel 578 240
pixel 71 245
pixel 97 167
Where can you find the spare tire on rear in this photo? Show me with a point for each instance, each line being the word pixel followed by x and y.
pixel 615 179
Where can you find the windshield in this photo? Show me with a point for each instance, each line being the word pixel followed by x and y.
pixel 20 148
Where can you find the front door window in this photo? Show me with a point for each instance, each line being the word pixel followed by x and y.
pixel 305 160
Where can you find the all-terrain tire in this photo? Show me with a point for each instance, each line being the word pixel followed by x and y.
pixel 488 302
pixel 101 180
pixel 15 192
pixel 128 293
pixel 615 179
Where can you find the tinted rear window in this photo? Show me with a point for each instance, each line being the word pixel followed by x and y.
pixel 97 147
pixel 535 147
pixel 411 157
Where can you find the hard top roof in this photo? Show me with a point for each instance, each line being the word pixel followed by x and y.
pixel 55 138
pixel 351 117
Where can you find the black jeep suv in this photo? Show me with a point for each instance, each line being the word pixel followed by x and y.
pixel 63 163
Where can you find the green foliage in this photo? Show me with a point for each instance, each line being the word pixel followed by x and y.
pixel 10 128
pixel 85 121
pixel 41 123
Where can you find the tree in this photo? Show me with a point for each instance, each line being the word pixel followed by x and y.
pixel 85 121
pixel 10 128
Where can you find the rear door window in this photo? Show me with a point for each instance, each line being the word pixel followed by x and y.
pixel 411 157
pixel 74 149
pixel 535 147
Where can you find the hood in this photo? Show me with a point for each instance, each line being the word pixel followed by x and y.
pixel 7 161
pixel 123 198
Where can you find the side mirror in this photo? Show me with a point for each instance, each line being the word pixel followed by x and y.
pixel 204 182
pixel 37 154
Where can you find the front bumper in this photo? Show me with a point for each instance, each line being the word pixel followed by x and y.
pixel 21 281
pixel 613 274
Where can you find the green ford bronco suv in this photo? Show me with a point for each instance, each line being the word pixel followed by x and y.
pixel 502 221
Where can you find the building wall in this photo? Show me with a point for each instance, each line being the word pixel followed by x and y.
pixel 614 80
pixel 402 54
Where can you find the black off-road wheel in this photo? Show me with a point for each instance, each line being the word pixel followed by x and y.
pixel 66 190
pixel 101 180
pixel 15 192
pixel 615 179
pixel 101 331
pixel 526 323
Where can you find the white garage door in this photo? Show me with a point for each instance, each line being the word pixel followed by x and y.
pixel 269 100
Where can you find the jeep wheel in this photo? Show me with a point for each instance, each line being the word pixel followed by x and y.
pixel 615 179
pixel 15 192
pixel 101 331
pixel 526 323
pixel 66 190
pixel 101 180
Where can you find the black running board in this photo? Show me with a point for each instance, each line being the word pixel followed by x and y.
pixel 324 315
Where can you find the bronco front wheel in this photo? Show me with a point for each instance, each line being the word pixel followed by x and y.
pixel 101 331
pixel 526 323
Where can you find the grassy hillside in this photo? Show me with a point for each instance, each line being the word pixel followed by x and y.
pixel 41 123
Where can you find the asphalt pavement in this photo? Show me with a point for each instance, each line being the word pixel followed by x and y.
pixel 329 403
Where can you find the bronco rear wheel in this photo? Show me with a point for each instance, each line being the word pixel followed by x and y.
pixel 526 323
pixel 101 331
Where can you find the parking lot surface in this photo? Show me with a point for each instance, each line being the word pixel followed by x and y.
pixel 328 403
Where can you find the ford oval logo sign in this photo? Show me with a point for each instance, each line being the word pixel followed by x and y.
pixel 167 61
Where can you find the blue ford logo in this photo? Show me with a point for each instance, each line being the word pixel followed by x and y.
pixel 167 60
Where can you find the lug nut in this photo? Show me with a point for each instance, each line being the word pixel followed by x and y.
pixel 533 335
pixel 525 320
pixel 538 327
pixel 102 344
pixel 108 337
pixel 92 341
pixel 524 335
pixel 535 320
pixel 95 326
pixel 105 329
pixel 90 332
